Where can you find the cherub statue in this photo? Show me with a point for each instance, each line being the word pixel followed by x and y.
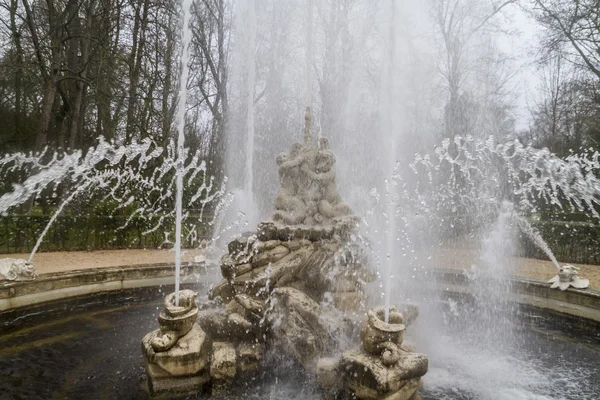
pixel 290 208
pixel 329 202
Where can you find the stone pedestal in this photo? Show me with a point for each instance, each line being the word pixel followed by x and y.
pixel 368 378
pixel 182 369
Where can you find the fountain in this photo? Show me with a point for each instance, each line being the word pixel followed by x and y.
pixel 274 282
pixel 296 290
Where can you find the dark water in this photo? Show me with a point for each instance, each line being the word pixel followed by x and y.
pixel 94 353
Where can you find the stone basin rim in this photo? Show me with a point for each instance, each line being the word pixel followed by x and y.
pixel 148 275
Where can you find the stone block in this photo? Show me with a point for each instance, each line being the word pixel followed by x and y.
pixel 249 356
pixel 224 291
pixel 269 256
pixel 187 357
pixel 369 378
pixel 348 301
pixel 328 374
pixel 406 392
pixel 169 387
pixel 223 365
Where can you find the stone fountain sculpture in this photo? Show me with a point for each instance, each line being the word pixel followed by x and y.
pixel 282 286
pixel 16 269
pixel 568 275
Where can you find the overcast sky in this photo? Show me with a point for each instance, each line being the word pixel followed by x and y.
pixel 522 46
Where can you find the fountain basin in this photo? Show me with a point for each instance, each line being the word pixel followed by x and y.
pixel 68 348
pixel 58 286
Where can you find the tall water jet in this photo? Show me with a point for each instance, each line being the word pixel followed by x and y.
pixel 388 130
pixel 186 35
pixel 308 72
pixel 250 83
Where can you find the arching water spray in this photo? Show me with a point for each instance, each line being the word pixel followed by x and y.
pixel 535 236
pixel 79 189
pixel 186 35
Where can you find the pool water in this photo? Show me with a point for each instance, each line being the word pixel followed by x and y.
pixel 94 352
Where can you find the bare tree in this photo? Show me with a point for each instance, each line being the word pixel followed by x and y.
pixel 573 29
pixel 464 27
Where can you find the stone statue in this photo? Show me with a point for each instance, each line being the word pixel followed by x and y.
pixel 17 269
pixel 175 321
pixel 290 209
pixel 308 193
pixel 567 276
pixel 286 288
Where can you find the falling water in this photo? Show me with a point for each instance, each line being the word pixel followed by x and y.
pixel 251 49
pixel 308 67
pixel 186 34
pixel 389 132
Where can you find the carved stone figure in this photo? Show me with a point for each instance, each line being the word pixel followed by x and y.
pixel 175 321
pixel 16 269
pixel 290 209
pixel 308 193
pixel 285 289
pixel 567 276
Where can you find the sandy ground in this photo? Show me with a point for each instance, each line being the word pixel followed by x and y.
pixel 442 258
pixel 69 260
pixel 517 266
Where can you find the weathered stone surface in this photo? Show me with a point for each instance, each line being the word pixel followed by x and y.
pixel 416 395
pixel 214 323
pixel 295 244
pixel 269 256
pixel 378 336
pixel 409 311
pixel 406 392
pixel 223 327
pixel 260 246
pixel 328 373
pixel 348 301
pixel 169 387
pixel 368 375
pixel 16 269
pixel 231 271
pixel 189 356
pixel 296 326
pixel 249 356
pixel 346 284
pixel 223 291
pixel 266 231
pixel 227 266
pixel 242 243
pixel 223 365
pixel 174 320
pixel 291 264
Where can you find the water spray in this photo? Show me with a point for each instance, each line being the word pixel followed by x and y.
pixel 186 35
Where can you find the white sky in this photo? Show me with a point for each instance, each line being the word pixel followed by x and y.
pixel 522 47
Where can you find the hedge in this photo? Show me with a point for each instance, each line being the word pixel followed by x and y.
pixel 19 233
pixel 570 241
